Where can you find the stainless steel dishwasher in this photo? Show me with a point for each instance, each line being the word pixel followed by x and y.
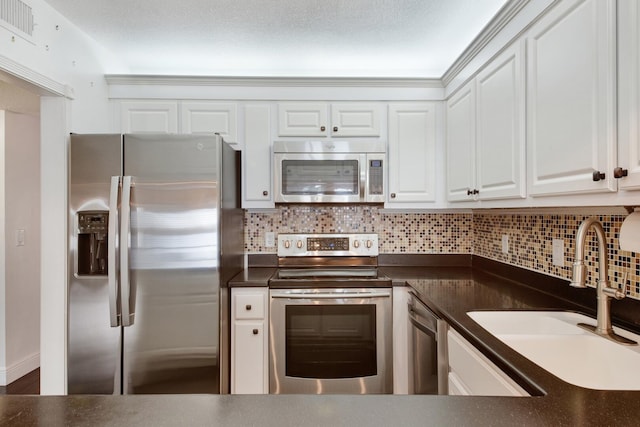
pixel 430 360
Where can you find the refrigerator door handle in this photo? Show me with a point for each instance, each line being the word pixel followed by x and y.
pixel 112 248
pixel 125 210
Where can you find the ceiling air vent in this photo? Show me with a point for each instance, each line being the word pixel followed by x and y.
pixel 17 17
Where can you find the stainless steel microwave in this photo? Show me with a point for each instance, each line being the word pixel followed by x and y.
pixel 329 171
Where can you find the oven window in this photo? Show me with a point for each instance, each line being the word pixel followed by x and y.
pixel 335 177
pixel 330 341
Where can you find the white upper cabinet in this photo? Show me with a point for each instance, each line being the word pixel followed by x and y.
pixel 412 152
pixel 355 119
pixel 461 134
pixel 204 117
pixel 311 119
pixel 303 119
pixel 486 132
pixel 628 95
pixel 571 99
pixel 149 116
pixel 256 159
pixel 500 121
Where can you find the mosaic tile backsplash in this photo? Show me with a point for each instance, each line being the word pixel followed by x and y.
pixel 530 236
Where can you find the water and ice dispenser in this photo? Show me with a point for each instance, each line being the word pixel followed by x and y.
pixel 93 229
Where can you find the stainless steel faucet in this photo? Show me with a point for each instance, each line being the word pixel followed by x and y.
pixel 603 291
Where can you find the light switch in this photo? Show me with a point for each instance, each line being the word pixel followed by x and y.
pixel 558 252
pixel 20 237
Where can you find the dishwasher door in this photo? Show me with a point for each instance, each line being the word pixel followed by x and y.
pixel 430 356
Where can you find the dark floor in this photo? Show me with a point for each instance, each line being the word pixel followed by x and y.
pixel 29 384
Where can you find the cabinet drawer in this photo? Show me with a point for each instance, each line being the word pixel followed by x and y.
pixel 474 374
pixel 249 306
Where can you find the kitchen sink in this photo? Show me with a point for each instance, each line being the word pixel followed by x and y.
pixel 554 341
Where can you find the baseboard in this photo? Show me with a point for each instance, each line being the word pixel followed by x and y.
pixel 19 369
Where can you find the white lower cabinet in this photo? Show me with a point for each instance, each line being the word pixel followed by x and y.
pixel 249 341
pixel 472 374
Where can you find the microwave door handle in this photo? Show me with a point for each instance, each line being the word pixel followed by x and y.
pixel 125 241
pixel 112 253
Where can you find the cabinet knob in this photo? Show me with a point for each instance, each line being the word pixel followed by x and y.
pixel 469 192
pixel 265 193
pixel 323 128
pixel 255 332
pixel 597 175
pixel 476 191
pixel 248 306
pixel 393 195
pixel 620 173
pixel 335 128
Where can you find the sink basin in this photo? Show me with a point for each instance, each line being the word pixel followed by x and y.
pixel 553 341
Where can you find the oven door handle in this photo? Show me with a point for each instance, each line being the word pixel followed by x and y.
pixel 332 295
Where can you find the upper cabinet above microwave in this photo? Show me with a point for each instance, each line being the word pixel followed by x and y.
pixel 311 119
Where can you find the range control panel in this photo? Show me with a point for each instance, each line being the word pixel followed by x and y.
pixel 327 245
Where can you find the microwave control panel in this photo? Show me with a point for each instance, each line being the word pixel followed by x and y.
pixel 327 245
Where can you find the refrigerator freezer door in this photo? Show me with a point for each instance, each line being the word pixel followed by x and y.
pixel 93 354
pixel 173 344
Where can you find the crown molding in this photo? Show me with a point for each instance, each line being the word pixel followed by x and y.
pixel 502 18
pixel 168 80
pixel 15 73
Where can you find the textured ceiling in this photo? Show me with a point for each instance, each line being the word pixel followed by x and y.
pixel 320 38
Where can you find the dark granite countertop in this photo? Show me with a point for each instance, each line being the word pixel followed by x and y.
pixel 450 292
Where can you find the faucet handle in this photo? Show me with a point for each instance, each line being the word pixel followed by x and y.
pixel 618 293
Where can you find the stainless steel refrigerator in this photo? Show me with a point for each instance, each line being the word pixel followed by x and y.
pixel 155 232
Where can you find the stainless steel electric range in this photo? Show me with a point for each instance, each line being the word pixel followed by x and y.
pixel 330 316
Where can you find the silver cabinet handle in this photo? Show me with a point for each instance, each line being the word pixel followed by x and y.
pixel 112 252
pixel 125 210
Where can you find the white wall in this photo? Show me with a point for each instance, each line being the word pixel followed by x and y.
pixel 22 263
pixel 66 68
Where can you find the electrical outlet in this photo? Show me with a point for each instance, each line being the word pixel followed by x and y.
pixel 269 239
pixel 558 252
pixel 505 244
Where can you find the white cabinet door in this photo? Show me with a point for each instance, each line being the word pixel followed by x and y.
pixel 571 99
pixel 249 350
pixel 149 116
pixel 355 119
pixel 461 137
pixel 203 117
pixel 471 373
pixel 629 93
pixel 249 341
pixel 256 159
pixel 412 152
pixel 500 143
pixel 303 119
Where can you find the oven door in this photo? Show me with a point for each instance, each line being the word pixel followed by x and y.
pixel 326 341
pixel 319 177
